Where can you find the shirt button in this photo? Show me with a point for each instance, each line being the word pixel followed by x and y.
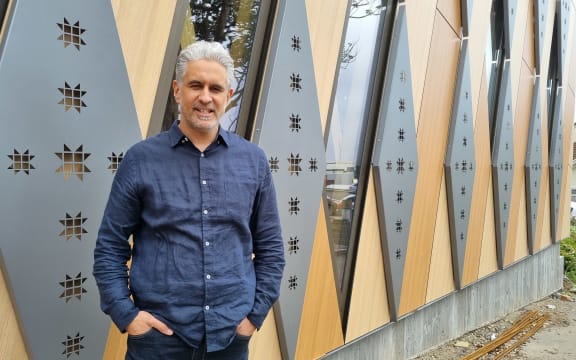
pixel 207 243
pixel 208 276
pixel 201 154
pixel 205 212
pixel 203 182
pixel 207 307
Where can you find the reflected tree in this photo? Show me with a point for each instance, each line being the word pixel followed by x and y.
pixel 233 23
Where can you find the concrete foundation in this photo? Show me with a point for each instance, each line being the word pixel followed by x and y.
pixel 478 304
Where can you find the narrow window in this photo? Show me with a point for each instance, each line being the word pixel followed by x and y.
pixel 240 25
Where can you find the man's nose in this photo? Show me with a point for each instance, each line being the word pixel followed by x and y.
pixel 205 95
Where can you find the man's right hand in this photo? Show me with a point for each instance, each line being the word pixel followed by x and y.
pixel 144 321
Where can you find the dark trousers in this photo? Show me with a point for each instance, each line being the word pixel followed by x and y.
pixel 154 345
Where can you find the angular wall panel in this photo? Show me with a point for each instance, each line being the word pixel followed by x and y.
pixel 289 130
pixel 540 16
pixel 460 164
pixel 67 118
pixel 533 166
pixel 396 160
pixel 556 164
pixel 503 162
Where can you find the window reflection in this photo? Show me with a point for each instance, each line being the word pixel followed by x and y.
pixel 495 54
pixel 553 80
pixel 348 123
pixel 233 23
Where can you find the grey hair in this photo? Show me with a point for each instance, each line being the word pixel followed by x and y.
pixel 205 50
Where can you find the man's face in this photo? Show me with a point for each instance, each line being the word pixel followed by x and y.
pixel 203 95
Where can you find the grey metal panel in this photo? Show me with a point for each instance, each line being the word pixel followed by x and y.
pixel 533 165
pixel 396 160
pixel 540 15
pixel 466 7
pixel 67 114
pixel 503 162
pixel 289 130
pixel 509 24
pixel 460 166
pixel 556 164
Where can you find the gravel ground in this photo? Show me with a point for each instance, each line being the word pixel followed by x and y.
pixel 555 340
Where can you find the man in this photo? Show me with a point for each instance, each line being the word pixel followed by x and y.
pixel 207 255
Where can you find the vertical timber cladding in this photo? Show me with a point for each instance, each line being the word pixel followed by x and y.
pixel 289 130
pixel 396 160
pixel 67 118
pixel 533 166
pixel 460 164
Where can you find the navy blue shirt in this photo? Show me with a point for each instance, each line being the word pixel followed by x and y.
pixel 207 246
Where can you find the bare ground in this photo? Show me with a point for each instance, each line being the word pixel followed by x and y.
pixel 555 340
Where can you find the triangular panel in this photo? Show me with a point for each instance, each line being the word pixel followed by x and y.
pixel 503 162
pixel 460 164
pixel 289 130
pixel 556 165
pixel 396 160
pixel 540 16
pixel 533 166
pixel 67 117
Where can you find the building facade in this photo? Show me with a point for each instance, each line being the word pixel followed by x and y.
pixel 421 152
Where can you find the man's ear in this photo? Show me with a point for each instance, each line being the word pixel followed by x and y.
pixel 176 91
pixel 230 92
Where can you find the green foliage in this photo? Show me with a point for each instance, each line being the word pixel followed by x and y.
pixel 568 251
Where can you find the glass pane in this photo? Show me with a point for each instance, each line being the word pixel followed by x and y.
pixel 233 23
pixel 348 122
pixel 494 58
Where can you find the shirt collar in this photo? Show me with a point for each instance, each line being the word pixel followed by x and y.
pixel 177 137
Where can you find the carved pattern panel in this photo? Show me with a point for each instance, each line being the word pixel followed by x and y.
pixel 396 160
pixel 460 164
pixel 56 142
pixel 503 162
pixel 533 166
pixel 556 163
pixel 289 130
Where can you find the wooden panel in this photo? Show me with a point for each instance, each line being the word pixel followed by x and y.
pixel 432 136
pixel 420 21
pixel 528 54
pixel 320 326
pixel 116 345
pixel 11 340
pixel 517 244
pixel 517 47
pixel 482 180
pixel 145 28
pixel 441 280
pixel 369 301
pixel 488 260
pixel 326 20
pixel 265 344
pixel 450 9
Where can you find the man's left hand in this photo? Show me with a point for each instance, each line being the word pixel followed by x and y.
pixel 245 328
